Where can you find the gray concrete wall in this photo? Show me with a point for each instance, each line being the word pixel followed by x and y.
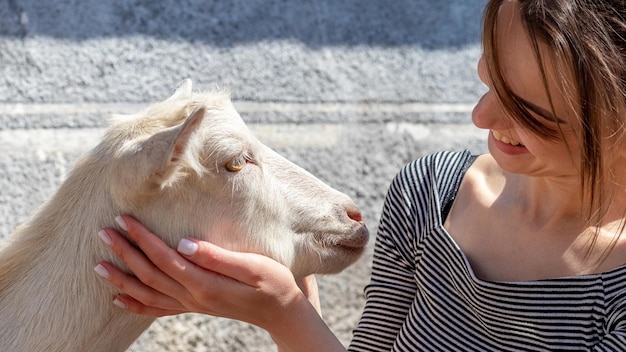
pixel 350 90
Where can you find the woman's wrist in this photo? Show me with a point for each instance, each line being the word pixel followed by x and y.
pixel 302 329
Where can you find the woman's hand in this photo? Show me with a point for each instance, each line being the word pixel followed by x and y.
pixel 199 277
pixel 203 278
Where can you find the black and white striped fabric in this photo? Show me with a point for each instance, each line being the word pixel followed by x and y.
pixel 423 295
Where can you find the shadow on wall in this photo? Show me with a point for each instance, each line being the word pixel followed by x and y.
pixel 430 24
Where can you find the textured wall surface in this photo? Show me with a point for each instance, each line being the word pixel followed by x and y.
pixel 350 90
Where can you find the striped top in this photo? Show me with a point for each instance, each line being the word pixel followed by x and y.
pixel 423 295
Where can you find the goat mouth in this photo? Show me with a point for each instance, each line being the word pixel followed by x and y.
pixel 333 251
pixel 355 242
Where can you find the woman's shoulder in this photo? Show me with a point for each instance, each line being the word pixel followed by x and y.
pixel 442 162
pixel 425 183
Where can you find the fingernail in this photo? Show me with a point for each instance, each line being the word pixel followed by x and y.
pixel 187 247
pixel 120 221
pixel 119 303
pixel 104 236
pixel 102 271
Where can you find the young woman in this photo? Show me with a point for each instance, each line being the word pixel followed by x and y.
pixel 520 249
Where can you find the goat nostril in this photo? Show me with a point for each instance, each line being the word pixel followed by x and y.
pixel 354 214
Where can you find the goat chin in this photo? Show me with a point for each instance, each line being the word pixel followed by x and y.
pixel 178 167
pixel 329 253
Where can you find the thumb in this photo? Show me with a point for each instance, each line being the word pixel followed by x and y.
pixel 187 247
pixel 245 267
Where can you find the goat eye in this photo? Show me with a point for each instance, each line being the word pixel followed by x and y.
pixel 236 164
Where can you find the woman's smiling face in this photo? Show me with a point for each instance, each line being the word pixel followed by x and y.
pixel 516 148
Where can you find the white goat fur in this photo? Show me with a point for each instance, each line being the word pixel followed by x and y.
pixel 166 167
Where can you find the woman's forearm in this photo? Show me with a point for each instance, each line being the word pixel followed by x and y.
pixel 303 330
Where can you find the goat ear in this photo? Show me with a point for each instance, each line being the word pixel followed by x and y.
pixel 183 90
pixel 165 149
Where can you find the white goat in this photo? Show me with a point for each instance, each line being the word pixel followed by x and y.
pixel 184 166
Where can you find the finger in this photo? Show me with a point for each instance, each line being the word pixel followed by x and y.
pixel 241 275
pixel 157 251
pixel 133 287
pixel 238 266
pixel 147 273
pixel 308 286
pixel 243 267
pixel 132 305
pixel 165 265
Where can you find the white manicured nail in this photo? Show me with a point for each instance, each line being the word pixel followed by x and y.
pixel 119 303
pixel 120 221
pixel 102 271
pixel 187 247
pixel 104 236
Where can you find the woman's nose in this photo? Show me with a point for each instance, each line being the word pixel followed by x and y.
pixel 488 113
